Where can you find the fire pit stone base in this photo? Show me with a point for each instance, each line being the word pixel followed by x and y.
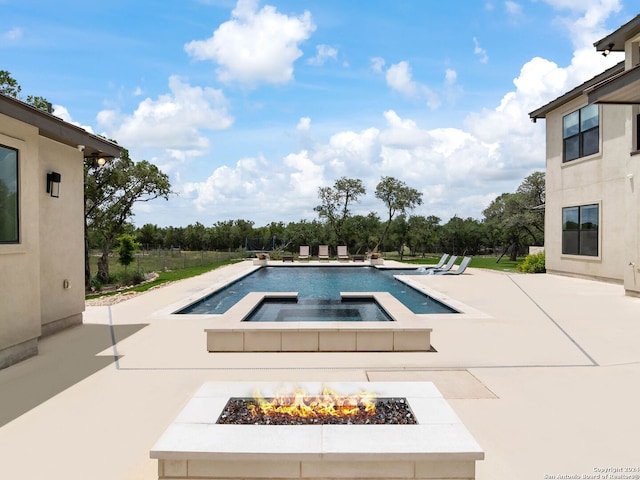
pixel 196 447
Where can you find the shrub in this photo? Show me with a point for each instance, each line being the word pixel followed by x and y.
pixel 534 263
pixel 128 245
pixel 126 279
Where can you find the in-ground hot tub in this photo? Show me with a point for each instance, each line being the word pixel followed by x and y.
pixel 439 446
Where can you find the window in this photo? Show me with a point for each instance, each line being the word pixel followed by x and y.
pixel 637 132
pixel 581 133
pixel 580 230
pixel 8 195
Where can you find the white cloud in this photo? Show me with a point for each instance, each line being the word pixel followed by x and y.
pixel 305 176
pixel 481 52
pixel 453 168
pixel 458 170
pixel 589 24
pixel 377 64
pixel 255 46
pixel 63 113
pixel 450 76
pixel 13 34
pixel 324 53
pixel 304 124
pixel 228 185
pixel 513 9
pixel 173 121
pixel 400 78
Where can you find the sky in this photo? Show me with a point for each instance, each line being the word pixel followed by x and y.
pixel 250 106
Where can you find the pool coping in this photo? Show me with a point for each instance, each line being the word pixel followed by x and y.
pixel 231 333
pixel 408 332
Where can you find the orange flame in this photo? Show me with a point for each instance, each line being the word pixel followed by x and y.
pixel 329 403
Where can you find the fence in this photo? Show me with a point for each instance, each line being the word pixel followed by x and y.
pixel 160 260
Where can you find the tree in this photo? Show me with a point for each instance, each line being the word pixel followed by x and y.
pixel 128 245
pixel 398 198
pixel 399 233
pixel 110 194
pixel 423 233
pixel 533 188
pixel 149 236
pixel 516 218
pixel 462 237
pixel 363 231
pixel 10 87
pixel 335 203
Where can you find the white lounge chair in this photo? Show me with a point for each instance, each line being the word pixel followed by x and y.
pixel 446 268
pixel 304 252
pixel 461 268
pixel 323 252
pixel 440 263
pixel 343 253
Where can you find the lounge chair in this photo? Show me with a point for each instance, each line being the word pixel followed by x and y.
pixel 461 268
pixel 323 252
pixel 343 253
pixel 438 265
pixel 446 268
pixel 304 252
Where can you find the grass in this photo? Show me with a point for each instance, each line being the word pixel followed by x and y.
pixel 170 268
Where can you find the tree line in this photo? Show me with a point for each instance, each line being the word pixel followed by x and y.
pixel 510 224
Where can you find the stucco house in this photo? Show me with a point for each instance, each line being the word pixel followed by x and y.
pixel 41 224
pixel 592 214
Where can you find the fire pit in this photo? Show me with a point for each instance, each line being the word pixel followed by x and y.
pixel 328 408
pixel 208 440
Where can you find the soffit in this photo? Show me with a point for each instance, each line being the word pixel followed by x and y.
pixel 576 92
pixel 55 128
pixel 623 88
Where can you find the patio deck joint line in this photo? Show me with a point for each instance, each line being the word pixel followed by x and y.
pixel 584 352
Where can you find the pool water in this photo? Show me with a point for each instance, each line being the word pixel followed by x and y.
pixel 319 289
pixel 319 310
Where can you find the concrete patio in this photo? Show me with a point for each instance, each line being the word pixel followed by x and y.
pixel 546 380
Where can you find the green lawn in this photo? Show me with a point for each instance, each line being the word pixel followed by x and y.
pixel 490 262
pixel 169 266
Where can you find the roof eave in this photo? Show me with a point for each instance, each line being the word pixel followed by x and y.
pixel 615 41
pixel 55 128
pixel 576 92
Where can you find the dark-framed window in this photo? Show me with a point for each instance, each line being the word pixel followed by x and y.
pixel 9 219
pixel 580 230
pixel 581 133
pixel 638 132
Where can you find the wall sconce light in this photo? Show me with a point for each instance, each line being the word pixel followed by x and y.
pixel 53 184
pixel 607 50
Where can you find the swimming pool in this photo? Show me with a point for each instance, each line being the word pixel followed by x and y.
pixel 319 289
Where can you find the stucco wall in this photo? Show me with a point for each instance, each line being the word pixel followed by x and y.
pixel 632 247
pixel 597 179
pixel 19 263
pixel 61 237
